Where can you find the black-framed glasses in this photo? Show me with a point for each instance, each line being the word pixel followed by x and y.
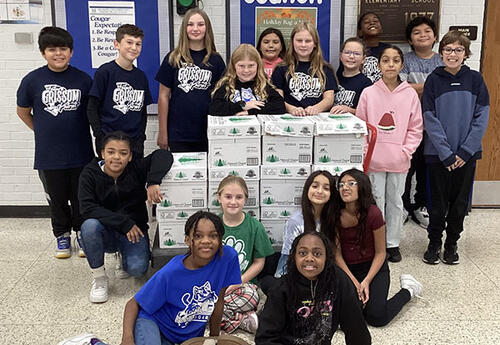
pixel 457 50
pixel 349 184
pixel 350 52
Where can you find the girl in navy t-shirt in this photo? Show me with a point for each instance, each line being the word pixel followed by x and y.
pixel 245 89
pixel 188 292
pixel 351 80
pixel 361 253
pixel 305 79
pixel 187 76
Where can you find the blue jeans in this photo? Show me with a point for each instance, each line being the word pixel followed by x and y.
pixel 97 240
pixel 147 332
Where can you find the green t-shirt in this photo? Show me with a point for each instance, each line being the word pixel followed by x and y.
pixel 250 241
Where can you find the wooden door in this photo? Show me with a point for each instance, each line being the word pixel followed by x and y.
pixel 487 185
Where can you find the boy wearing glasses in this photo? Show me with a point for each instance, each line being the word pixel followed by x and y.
pixel 421 34
pixel 455 110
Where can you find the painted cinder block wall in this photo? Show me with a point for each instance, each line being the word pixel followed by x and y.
pixel 19 183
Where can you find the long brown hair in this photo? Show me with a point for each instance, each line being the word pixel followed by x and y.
pixel 244 51
pixel 316 57
pixel 181 53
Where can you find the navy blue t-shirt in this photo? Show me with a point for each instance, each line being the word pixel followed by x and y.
pixel 59 103
pixel 302 91
pixel 122 96
pixel 370 67
pixel 190 87
pixel 350 89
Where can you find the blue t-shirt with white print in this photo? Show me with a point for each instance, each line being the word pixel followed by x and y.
pixel 350 89
pixel 180 301
pixel 59 103
pixel 122 97
pixel 191 86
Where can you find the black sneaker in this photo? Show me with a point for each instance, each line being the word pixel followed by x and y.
pixel 393 254
pixel 431 255
pixel 450 255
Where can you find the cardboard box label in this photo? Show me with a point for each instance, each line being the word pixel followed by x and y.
pixel 188 167
pixel 286 150
pixel 234 152
pixel 281 192
pixel 225 127
pixel 286 125
pixel 246 172
pixel 166 214
pixel 274 229
pixel 171 235
pixel 296 172
pixel 277 212
pixel 338 150
pixel 182 195
pixel 346 123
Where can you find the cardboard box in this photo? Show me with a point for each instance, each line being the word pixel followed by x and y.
pixel 274 229
pixel 281 150
pixel 229 127
pixel 277 212
pixel 234 152
pixel 253 194
pixel 286 125
pixel 184 195
pixel 187 167
pixel 294 172
pixel 249 174
pixel 281 192
pixel 167 214
pixel 336 170
pixel 339 139
pixel 171 234
pixel 252 211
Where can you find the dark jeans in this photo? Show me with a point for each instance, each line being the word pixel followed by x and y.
pixel 184 146
pixel 61 186
pixel 379 311
pixel 97 240
pixel 449 195
pixel 418 168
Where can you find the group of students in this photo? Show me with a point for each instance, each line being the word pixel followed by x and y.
pixel 333 267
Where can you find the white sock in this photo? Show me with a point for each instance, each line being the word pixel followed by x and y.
pixel 99 272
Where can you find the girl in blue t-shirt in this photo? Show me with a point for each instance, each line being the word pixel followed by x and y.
pixel 247 235
pixel 182 297
pixel 305 79
pixel 187 76
pixel 351 80
pixel 319 205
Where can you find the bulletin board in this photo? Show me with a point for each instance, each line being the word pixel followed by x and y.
pixel 93 25
pixel 248 18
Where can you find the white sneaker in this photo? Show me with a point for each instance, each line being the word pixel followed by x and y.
pixel 78 245
pixel 411 284
pixel 119 272
pixel 82 339
pixel 99 290
pixel 421 217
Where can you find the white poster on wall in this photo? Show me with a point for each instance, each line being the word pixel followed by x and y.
pixel 104 18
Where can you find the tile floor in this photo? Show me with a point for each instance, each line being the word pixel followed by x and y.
pixel 45 300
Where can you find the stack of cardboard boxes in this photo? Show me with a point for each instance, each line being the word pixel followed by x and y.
pixel 184 190
pixel 339 141
pixel 234 149
pixel 287 147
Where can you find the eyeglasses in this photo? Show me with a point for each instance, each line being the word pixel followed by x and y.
pixel 350 52
pixel 349 184
pixel 457 50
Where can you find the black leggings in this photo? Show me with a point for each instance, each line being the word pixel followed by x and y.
pixel 379 311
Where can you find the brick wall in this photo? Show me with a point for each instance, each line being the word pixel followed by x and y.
pixel 19 183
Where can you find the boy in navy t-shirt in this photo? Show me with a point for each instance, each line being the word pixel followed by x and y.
pixel 52 101
pixel 120 93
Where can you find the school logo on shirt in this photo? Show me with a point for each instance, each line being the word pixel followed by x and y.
pixel 126 98
pixel 199 305
pixel 245 95
pixel 239 246
pixel 193 77
pixel 371 70
pixel 345 97
pixel 57 99
pixel 303 86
